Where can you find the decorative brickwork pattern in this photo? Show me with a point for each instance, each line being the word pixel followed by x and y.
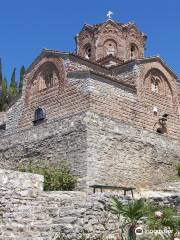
pixel 83 107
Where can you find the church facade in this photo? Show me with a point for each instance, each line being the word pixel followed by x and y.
pixel 110 112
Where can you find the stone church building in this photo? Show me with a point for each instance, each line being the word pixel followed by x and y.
pixel 110 112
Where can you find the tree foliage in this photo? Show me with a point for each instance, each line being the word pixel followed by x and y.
pixel 10 93
pixel 1 75
pixel 13 85
pixel 22 73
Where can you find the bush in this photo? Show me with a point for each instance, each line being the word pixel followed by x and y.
pixel 56 178
pixel 178 169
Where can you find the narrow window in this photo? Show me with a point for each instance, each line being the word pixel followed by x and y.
pixel 39 116
pixel 47 76
pixel 155 86
pixel 133 51
pixel 3 126
pixel 88 52
pixel 110 48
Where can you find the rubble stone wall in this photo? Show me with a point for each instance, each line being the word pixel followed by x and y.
pixel 29 213
pixel 119 154
pixel 98 149
pixel 60 140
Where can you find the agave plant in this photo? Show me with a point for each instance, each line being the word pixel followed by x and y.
pixel 132 213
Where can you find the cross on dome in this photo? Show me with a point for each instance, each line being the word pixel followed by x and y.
pixel 109 14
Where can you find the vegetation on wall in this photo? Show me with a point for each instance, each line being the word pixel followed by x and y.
pixel 149 216
pixel 56 178
pixel 10 92
pixel 178 169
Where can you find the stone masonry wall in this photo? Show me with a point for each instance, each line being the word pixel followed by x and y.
pixel 29 213
pixel 60 140
pixel 3 117
pixel 98 149
pixel 119 154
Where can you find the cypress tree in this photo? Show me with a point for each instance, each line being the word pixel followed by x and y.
pixel 1 75
pixel 22 72
pixel 4 95
pixel 1 98
pixel 13 86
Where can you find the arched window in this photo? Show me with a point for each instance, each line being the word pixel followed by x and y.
pixel 48 76
pixel 110 48
pixel 39 115
pixel 133 51
pixel 88 52
pixel 155 85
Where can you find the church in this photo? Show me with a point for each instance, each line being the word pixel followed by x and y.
pixel 107 110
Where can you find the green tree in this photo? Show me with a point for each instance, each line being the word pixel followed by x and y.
pixel 1 75
pixel 4 95
pixel 22 72
pixel 13 86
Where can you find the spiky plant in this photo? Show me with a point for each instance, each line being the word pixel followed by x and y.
pixel 134 211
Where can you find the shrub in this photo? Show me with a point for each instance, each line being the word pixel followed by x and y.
pixel 168 219
pixel 56 178
pixel 178 169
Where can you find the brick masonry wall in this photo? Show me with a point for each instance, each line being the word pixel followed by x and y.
pixel 120 37
pixel 67 96
pixel 134 107
pixel 79 90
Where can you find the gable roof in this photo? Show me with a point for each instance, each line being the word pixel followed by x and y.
pixel 108 58
pixel 64 55
pixel 100 70
pixel 145 60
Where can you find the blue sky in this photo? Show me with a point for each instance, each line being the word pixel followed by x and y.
pixel 28 26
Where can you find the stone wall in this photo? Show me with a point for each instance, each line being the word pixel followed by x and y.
pixel 50 143
pixel 28 213
pixel 3 117
pixel 20 184
pixel 98 149
pixel 119 154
